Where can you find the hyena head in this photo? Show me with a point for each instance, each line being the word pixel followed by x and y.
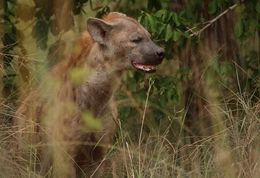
pixel 125 44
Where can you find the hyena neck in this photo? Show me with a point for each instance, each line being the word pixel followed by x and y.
pixel 103 72
pixel 99 87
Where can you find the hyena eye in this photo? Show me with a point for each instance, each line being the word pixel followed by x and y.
pixel 137 39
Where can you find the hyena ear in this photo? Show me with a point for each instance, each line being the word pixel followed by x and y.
pixel 98 29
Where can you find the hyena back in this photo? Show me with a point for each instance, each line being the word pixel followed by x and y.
pixel 57 117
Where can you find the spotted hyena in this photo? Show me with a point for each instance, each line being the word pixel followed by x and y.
pixel 74 122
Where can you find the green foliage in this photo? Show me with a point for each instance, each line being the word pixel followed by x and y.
pixel 248 21
pixel 216 6
pixel 78 6
pixel 166 27
pixel 172 29
pixel 9 42
pixel 246 28
pixel 102 11
pixel 173 25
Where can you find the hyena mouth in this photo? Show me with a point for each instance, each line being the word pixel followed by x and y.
pixel 144 67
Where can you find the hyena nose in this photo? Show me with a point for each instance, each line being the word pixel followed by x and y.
pixel 160 53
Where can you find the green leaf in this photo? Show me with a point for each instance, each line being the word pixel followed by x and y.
pixel 141 17
pixel 160 14
pixel 146 23
pixel 168 34
pixel 168 17
pixel 162 30
pixel 176 19
pixel 152 23
pixel 176 35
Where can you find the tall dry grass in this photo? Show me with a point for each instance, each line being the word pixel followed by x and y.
pixel 231 149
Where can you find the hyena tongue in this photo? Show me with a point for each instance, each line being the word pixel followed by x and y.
pixel 146 68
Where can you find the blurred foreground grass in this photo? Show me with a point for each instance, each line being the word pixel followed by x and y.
pixel 198 116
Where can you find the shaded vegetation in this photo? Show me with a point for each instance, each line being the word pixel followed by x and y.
pixel 198 116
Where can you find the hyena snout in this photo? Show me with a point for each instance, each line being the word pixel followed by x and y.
pixel 152 55
pixel 159 54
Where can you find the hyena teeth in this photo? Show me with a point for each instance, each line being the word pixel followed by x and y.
pixel 143 67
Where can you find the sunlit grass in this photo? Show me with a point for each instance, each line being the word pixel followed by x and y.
pixel 232 150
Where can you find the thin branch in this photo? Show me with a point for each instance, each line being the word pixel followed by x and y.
pixel 214 20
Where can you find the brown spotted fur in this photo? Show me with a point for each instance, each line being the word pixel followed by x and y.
pixel 51 116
